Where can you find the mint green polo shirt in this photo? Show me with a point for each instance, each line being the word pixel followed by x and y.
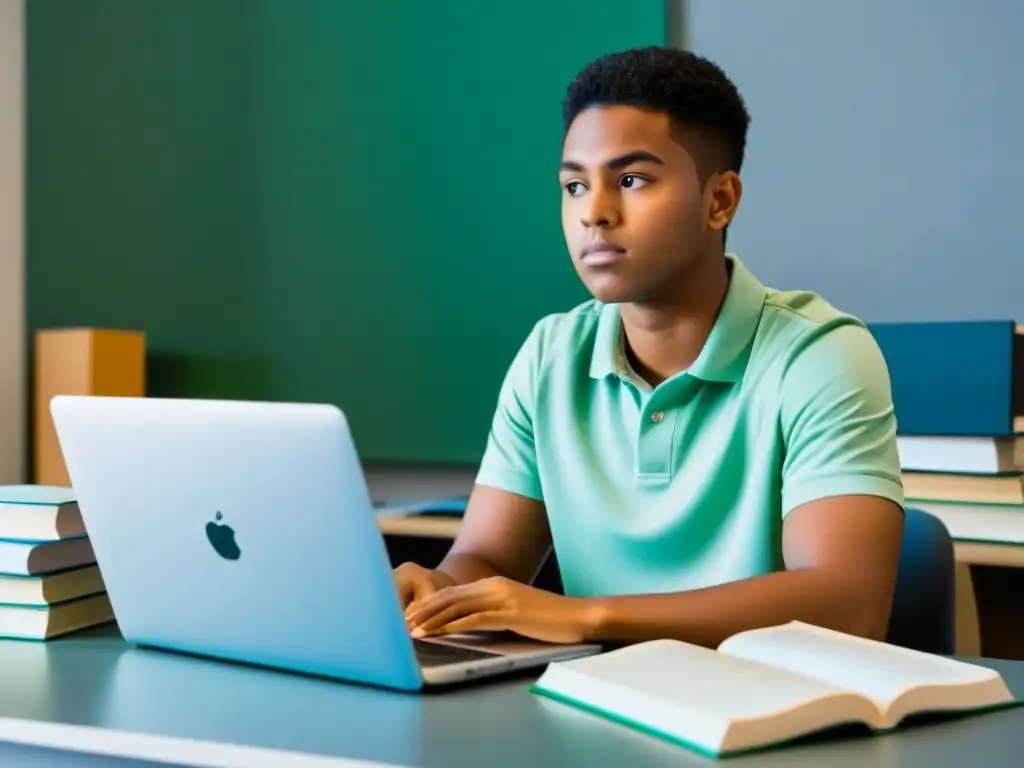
pixel 685 485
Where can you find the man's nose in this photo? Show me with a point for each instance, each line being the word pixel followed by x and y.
pixel 602 208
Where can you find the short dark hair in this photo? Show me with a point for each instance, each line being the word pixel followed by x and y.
pixel 692 90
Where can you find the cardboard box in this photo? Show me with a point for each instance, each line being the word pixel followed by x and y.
pixel 79 361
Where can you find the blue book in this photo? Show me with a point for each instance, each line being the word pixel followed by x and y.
pixel 955 378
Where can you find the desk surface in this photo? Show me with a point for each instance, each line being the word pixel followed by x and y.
pixel 432 526
pixel 98 680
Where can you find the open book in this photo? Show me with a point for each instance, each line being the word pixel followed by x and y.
pixel 768 686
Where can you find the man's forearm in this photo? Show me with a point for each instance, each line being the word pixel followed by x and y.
pixel 467 568
pixel 709 616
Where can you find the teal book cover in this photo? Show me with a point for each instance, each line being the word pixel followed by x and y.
pixel 37 495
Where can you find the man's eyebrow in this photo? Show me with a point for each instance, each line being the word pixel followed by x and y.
pixel 638 156
pixel 630 158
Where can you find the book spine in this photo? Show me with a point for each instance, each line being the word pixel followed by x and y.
pixel 1018 373
pixel 953 378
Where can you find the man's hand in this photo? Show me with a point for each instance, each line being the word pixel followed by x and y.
pixel 414 582
pixel 499 603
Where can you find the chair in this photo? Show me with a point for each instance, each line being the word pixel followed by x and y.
pixel 923 613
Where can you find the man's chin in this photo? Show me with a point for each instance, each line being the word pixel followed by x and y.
pixel 613 294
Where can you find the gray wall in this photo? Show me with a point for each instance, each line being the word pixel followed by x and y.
pixel 885 153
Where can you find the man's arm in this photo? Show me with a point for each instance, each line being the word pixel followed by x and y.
pixel 841 557
pixel 502 534
pixel 505 531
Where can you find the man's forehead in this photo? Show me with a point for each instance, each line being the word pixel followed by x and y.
pixel 605 131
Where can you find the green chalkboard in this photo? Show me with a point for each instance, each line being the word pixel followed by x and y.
pixel 312 200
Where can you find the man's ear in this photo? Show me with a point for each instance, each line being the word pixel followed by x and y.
pixel 724 193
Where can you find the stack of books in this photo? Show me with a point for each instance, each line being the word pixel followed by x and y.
pixel 50 584
pixel 958 389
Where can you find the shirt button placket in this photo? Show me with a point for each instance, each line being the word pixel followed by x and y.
pixel 654 446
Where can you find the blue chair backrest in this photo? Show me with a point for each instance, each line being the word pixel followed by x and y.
pixel 923 613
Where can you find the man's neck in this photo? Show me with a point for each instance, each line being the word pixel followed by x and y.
pixel 665 338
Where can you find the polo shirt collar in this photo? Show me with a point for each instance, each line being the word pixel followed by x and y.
pixel 725 353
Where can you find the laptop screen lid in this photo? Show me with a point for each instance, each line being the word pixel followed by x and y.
pixel 239 530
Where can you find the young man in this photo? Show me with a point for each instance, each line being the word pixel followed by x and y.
pixel 705 454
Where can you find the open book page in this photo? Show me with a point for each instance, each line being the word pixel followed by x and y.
pixel 701 696
pixel 898 680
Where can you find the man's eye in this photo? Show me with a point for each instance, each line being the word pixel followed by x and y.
pixel 629 181
pixel 573 188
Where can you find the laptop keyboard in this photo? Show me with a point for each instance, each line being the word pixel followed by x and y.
pixel 436 655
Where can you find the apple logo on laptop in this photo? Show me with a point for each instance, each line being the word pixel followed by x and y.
pixel 222 537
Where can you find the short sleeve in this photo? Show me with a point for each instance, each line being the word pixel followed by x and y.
pixel 838 420
pixel 510 460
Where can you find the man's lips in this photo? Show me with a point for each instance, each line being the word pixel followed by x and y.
pixel 598 254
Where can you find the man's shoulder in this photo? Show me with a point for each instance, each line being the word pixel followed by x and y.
pixel 565 335
pixel 813 352
pixel 801 324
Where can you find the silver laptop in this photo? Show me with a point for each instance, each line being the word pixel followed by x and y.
pixel 244 531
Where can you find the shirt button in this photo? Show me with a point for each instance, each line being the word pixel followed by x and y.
pixel 657 416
